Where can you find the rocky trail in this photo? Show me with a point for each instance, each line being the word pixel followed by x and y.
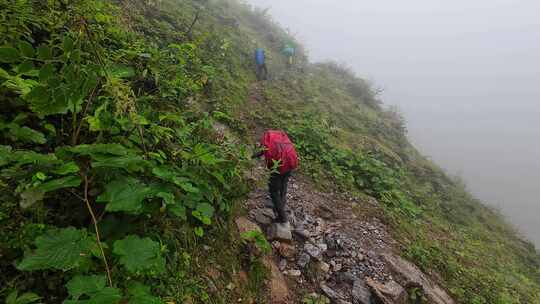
pixel 338 248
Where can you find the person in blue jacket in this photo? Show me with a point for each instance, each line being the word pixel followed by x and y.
pixel 260 62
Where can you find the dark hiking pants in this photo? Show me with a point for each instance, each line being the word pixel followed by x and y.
pixel 262 72
pixel 278 192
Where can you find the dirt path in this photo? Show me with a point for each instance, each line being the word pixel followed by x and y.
pixel 339 249
pixel 332 241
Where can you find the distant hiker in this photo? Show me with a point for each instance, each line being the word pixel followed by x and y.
pixel 289 52
pixel 260 62
pixel 281 158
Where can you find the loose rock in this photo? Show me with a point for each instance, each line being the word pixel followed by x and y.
pixel 286 250
pixel 313 251
pixel 329 292
pixel 303 260
pixel 304 234
pixel 293 273
pixel 282 264
pixel 414 276
pixel 389 292
pixel 323 267
pixel 280 232
pixel 361 293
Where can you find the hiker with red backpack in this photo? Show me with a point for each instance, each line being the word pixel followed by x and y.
pixel 281 158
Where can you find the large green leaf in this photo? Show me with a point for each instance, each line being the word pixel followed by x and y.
pixel 4 74
pixel 67 44
pixel 172 204
pixel 204 213
pixel 140 294
pixel 26 48
pixel 206 209
pixel 168 174
pixel 24 134
pixel 59 183
pixel 121 71
pixel 26 157
pixel 5 155
pixel 61 249
pixel 25 298
pixel 93 288
pixel 9 54
pixel 81 285
pixel 26 68
pixel 67 168
pixel 95 149
pixel 139 255
pixel 35 194
pixel 132 163
pixel 178 210
pixel 100 121
pixel 125 194
pixel 44 101
pixel 46 71
pixel 22 86
pixel 44 52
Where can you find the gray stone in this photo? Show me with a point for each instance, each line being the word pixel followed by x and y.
pixel 312 250
pixel 280 232
pixel 414 276
pixel 303 260
pixel 389 292
pixel 323 247
pixel 261 219
pixel 263 216
pixel 330 253
pixel 332 294
pixel 337 267
pixel 293 273
pixel 282 264
pixel 302 233
pixel 323 266
pixel 345 277
pixel 361 293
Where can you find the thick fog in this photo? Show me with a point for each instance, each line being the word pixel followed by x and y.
pixel 466 75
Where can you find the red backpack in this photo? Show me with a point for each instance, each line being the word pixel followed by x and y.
pixel 279 148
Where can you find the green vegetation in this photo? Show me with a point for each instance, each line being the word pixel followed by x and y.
pixel 112 175
pixel 116 183
pixel 350 142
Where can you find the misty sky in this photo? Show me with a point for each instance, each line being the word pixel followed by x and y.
pixel 466 75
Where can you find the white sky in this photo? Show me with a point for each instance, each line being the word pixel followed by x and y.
pixel 465 73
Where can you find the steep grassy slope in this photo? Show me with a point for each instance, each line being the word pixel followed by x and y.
pixel 112 173
pixel 441 227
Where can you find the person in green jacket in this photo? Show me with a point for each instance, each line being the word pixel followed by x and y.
pixel 289 52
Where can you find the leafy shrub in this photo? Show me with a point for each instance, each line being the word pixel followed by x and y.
pixel 82 141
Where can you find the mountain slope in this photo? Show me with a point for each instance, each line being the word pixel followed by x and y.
pixel 116 171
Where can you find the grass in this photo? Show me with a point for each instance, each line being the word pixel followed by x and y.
pixel 469 248
pixel 346 138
